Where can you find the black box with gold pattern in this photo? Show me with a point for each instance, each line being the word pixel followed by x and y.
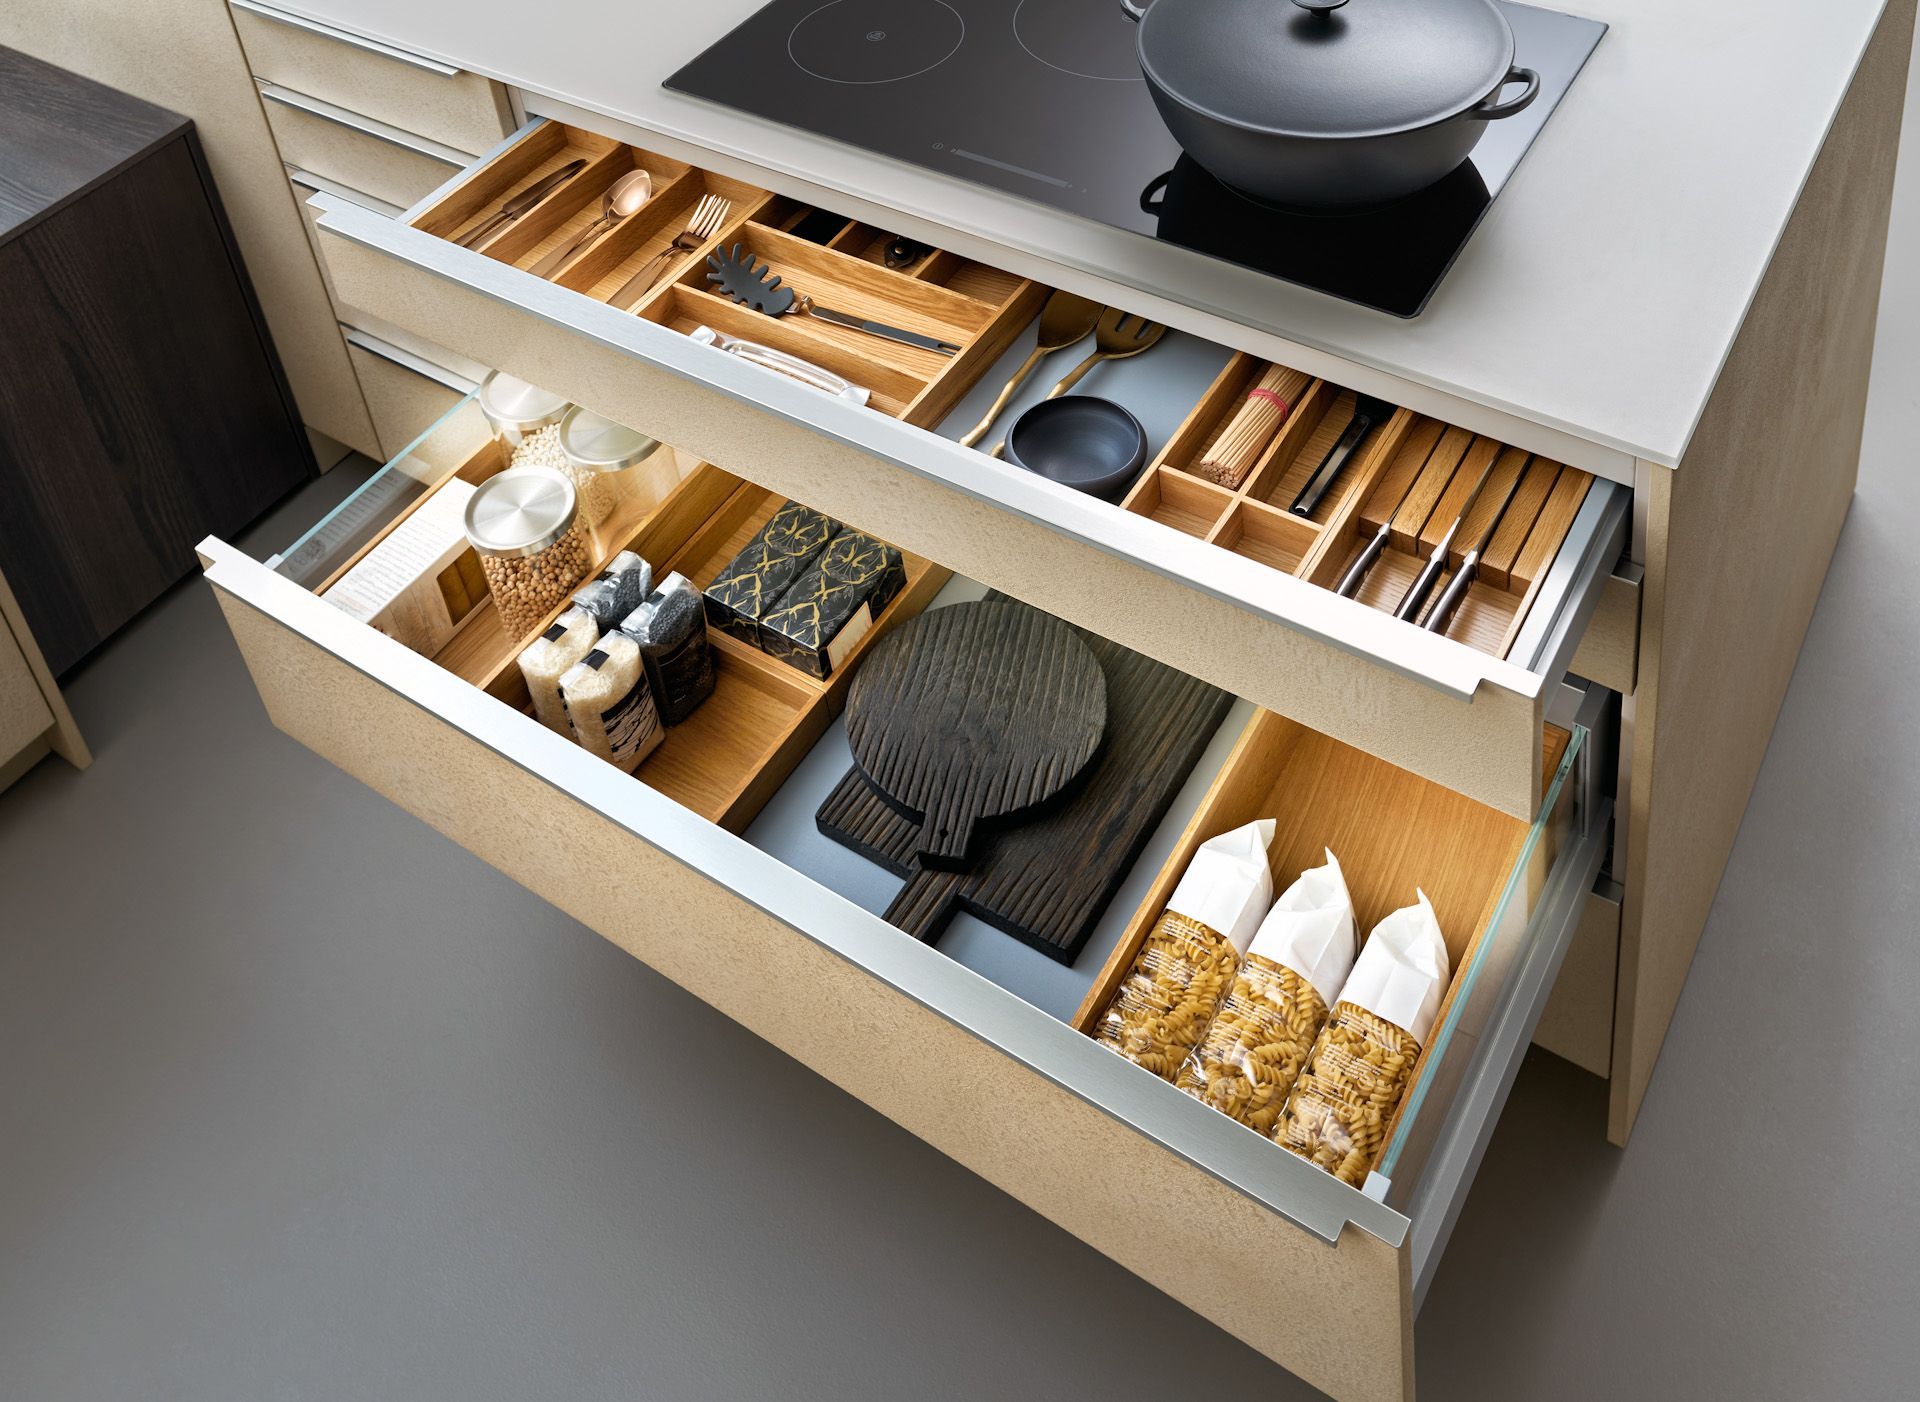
pixel 754 582
pixel 831 606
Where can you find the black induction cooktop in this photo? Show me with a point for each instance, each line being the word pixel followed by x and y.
pixel 1043 99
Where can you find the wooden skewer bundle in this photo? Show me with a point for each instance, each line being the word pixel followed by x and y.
pixel 1234 449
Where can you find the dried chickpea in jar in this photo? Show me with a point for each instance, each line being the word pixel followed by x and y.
pixel 524 524
pixel 1187 962
pixel 1363 1062
pixel 1259 1039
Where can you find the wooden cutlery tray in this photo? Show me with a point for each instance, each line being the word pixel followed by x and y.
pixel 976 307
pixel 729 757
pixel 1413 469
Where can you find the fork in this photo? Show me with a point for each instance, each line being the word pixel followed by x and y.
pixel 1117 336
pixel 708 217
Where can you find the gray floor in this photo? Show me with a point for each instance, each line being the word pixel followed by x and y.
pixel 297 1100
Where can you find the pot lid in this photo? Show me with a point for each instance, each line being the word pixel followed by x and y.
pixel 1327 67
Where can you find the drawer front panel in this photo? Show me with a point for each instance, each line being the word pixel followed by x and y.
pixel 405 394
pixel 1578 1021
pixel 1458 717
pixel 358 152
pixel 419 95
pixel 1217 1250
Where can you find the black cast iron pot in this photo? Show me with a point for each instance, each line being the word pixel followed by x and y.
pixel 1318 104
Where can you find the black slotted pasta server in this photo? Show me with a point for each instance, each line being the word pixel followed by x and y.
pixel 749 280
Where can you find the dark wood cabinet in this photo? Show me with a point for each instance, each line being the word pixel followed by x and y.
pixel 142 406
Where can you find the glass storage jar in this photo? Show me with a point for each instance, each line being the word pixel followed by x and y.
pixel 525 526
pixel 518 410
pixel 618 471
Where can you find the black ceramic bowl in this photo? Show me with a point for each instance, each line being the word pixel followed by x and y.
pixel 1092 445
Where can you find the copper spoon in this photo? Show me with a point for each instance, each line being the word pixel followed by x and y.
pixel 622 198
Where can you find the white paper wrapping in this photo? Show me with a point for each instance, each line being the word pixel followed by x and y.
pixel 1402 970
pixel 1227 885
pixel 1311 930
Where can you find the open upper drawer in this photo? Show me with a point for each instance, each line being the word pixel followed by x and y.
pixel 1214 582
pixel 706 864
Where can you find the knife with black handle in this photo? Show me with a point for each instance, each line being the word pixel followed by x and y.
pixel 1369 412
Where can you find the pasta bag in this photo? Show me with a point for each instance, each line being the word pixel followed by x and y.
pixel 1187 961
pixel 1259 1040
pixel 1363 1062
pixel 549 657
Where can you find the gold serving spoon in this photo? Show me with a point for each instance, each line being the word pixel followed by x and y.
pixel 1064 320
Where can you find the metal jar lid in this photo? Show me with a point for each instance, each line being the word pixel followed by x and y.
pixel 514 404
pixel 521 511
pixel 596 444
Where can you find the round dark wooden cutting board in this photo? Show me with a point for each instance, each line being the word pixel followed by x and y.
pixel 974 714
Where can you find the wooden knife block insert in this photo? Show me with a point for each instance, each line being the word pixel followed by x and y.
pixel 1422 487
pixel 981 309
pixel 727 759
pixel 1412 468
pixel 1253 520
pixel 1393 832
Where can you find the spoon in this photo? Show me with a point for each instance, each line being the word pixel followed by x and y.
pixel 1064 320
pixel 622 198
pixel 1117 336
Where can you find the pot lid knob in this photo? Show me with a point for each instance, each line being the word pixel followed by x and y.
pixel 1322 8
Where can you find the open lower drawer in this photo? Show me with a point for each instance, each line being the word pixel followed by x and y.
pixel 1215 583
pixel 700 866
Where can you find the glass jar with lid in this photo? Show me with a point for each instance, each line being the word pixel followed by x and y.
pixel 618 471
pixel 518 410
pixel 525 526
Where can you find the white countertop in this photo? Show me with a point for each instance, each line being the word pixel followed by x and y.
pixel 1599 297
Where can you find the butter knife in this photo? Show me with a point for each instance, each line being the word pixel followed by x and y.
pixel 521 203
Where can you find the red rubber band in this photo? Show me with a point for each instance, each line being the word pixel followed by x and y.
pixel 1257 393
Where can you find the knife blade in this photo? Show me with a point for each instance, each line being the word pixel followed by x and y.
pixel 519 204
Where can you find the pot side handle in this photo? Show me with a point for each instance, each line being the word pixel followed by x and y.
pixel 1492 109
pixel 1132 11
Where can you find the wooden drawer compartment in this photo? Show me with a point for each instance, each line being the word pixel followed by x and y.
pixel 905 382
pixel 405 90
pixel 1241 617
pixel 1412 472
pixel 359 152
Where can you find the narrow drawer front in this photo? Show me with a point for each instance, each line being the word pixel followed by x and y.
pixel 1250 1237
pixel 405 394
pixel 1609 651
pixel 306 184
pixel 1449 712
pixel 359 152
pixel 1578 1021
pixel 433 99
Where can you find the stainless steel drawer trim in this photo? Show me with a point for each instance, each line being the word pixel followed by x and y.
pixel 366 126
pixel 1455 1160
pixel 1246 1162
pixel 320 183
pixel 407 360
pixel 1594 545
pixel 1448 666
pixel 343 36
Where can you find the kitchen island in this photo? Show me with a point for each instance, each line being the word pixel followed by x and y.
pixel 1675 294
